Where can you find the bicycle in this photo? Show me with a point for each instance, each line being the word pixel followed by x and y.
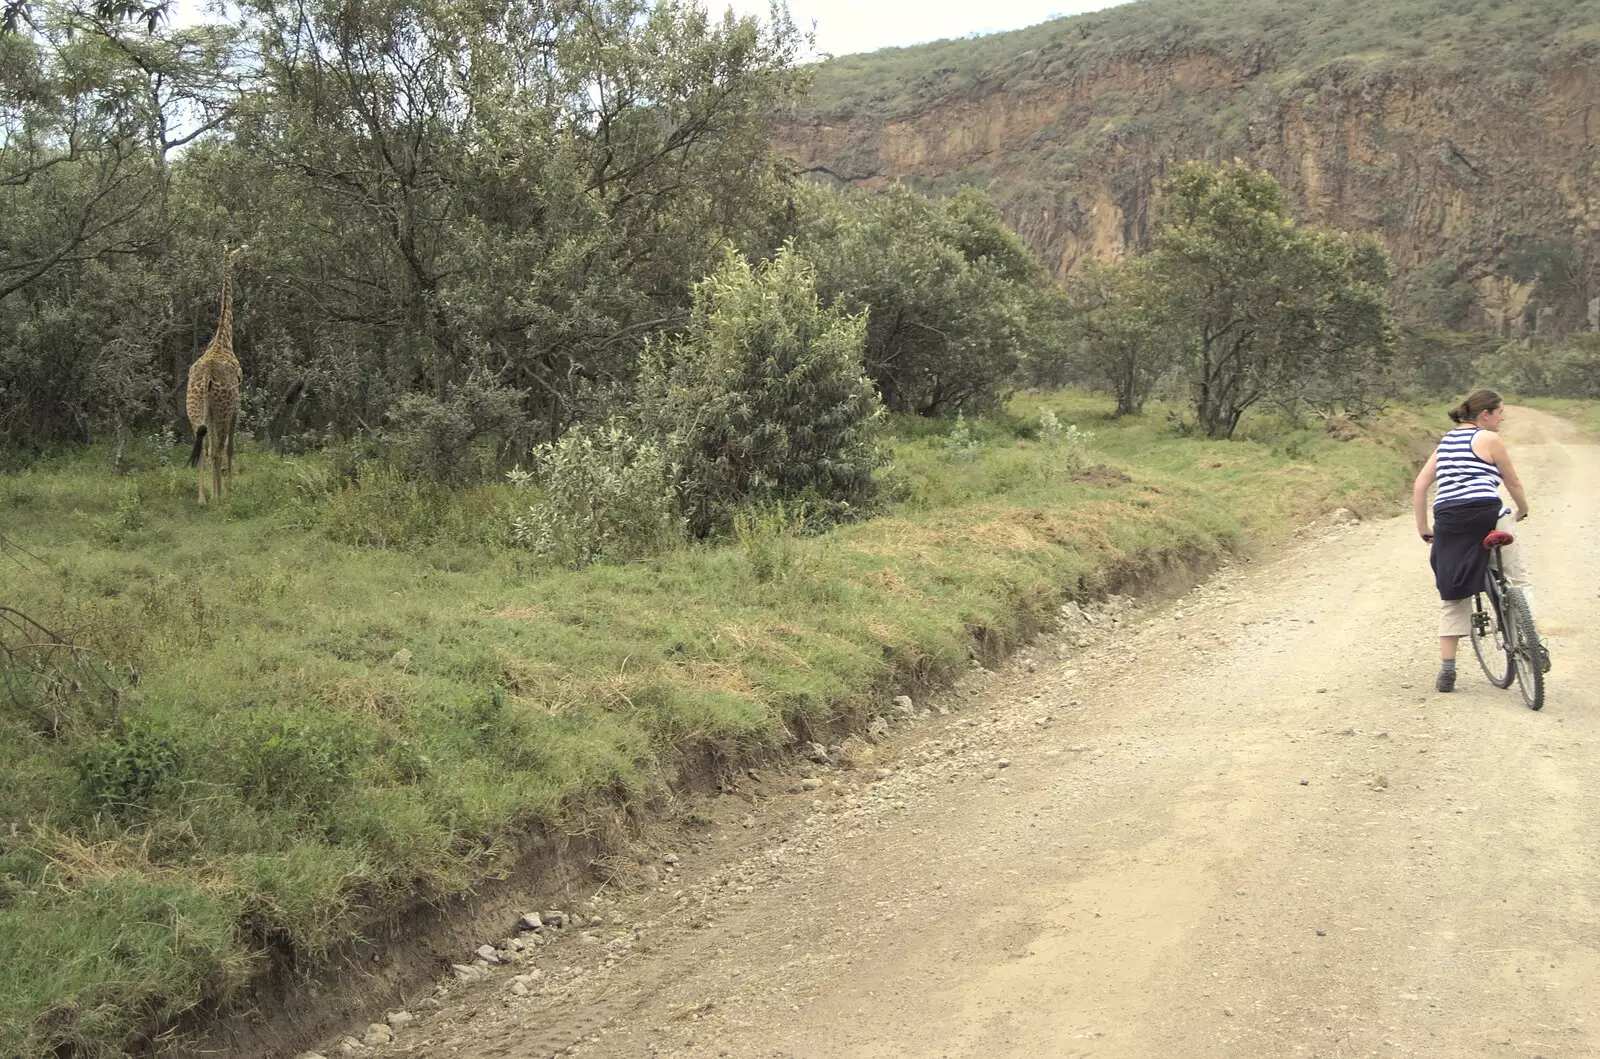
pixel 1502 633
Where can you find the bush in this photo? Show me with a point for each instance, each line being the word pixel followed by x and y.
pixel 772 542
pixel 1068 446
pixel 300 761
pixel 950 293
pixel 457 441
pixel 383 507
pixel 1431 361
pixel 607 495
pixel 128 768
pixel 961 446
pixel 763 400
pixel 1534 369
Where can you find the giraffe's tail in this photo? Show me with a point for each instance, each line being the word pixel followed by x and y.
pixel 199 446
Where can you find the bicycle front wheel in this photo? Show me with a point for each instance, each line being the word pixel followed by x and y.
pixel 1524 649
pixel 1490 640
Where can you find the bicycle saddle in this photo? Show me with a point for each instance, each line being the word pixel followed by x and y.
pixel 1498 539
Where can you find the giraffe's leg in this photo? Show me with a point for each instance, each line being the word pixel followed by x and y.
pixel 201 463
pixel 231 424
pixel 216 468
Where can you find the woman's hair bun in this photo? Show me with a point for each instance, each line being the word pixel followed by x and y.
pixel 1478 402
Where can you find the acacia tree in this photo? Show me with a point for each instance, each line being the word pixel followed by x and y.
pixel 1121 345
pixel 762 398
pixel 524 187
pixel 1258 304
pixel 945 284
pixel 92 105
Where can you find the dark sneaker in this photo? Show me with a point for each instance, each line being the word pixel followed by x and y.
pixel 1446 681
pixel 1544 657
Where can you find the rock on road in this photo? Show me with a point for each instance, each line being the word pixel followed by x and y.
pixel 1245 827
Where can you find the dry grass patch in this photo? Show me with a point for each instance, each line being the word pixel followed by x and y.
pixel 373 695
pixel 765 642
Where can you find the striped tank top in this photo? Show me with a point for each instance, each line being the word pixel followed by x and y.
pixel 1463 476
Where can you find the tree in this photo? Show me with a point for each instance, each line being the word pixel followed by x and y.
pixel 946 286
pixel 762 399
pixel 524 188
pixel 1565 273
pixel 1121 344
pixel 92 107
pixel 1259 305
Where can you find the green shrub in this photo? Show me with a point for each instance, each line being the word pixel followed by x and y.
pixel 386 508
pixel 762 400
pixel 949 292
pixel 456 441
pixel 128 768
pixel 1536 369
pixel 1066 447
pixel 961 445
pixel 772 541
pixel 298 762
pixel 607 495
pixel 124 521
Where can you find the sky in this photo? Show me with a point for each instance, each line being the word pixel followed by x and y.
pixel 846 26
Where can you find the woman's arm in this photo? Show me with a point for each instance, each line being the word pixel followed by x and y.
pixel 1508 474
pixel 1419 494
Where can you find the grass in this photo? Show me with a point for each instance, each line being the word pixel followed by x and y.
pixel 310 728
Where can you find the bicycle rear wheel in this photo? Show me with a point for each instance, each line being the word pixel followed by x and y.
pixel 1490 640
pixel 1524 643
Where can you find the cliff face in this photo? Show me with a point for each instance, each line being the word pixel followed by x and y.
pixel 1454 171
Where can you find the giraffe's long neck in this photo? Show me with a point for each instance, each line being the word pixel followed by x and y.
pixel 224 339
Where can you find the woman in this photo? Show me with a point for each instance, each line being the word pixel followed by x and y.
pixel 1470 465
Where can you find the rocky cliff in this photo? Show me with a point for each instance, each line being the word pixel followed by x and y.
pixel 1467 141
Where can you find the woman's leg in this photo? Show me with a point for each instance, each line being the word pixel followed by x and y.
pixel 1455 620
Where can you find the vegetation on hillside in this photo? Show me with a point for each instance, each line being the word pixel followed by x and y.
pixel 1299 43
pixel 1451 128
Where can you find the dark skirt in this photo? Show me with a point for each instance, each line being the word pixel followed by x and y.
pixel 1459 559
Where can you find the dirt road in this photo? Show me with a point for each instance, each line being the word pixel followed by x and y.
pixel 1243 825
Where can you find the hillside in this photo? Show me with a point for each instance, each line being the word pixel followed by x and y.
pixel 1460 130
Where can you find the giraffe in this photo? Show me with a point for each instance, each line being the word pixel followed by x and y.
pixel 213 397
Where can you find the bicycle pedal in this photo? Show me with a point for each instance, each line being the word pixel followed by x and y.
pixel 1544 659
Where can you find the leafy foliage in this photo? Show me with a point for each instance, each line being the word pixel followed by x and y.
pixel 762 399
pixel 439 440
pixel 946 287
pixel 1260 306
pixel 127 768
pixel 607 495
pixel 1539 369
pixel 1121 346
pixel 522 191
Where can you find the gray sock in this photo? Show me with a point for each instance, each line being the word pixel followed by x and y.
pixel 1447 665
